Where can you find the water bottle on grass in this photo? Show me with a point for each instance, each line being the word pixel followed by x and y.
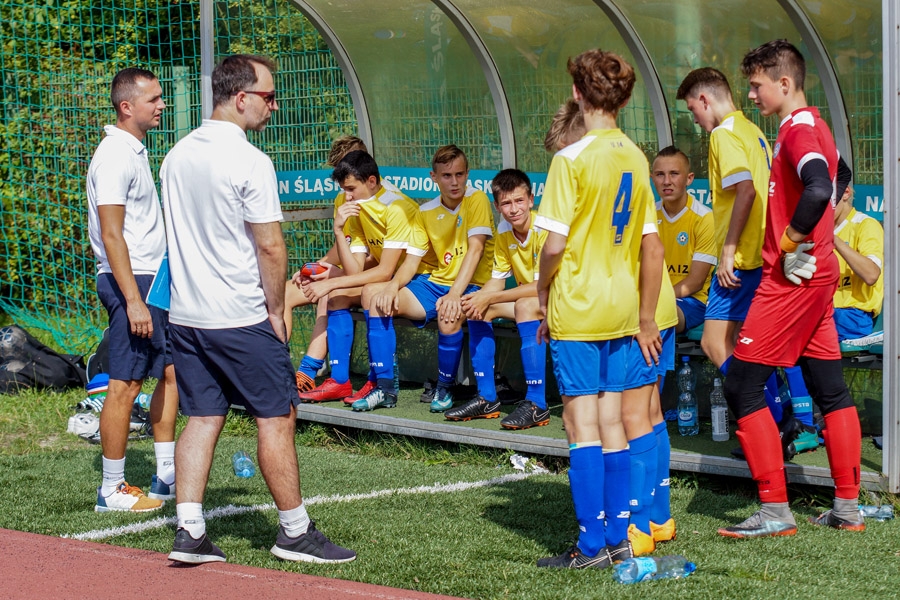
pixel 645 568
pixel 243 464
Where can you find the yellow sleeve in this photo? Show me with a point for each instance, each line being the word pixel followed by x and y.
pixel 397 227
pixel 870 240
pixel 480 218
pixel 732 156
pixel 353 230
pixel 557 207
pixel 502 268
pixel 418 239
pixel 705 236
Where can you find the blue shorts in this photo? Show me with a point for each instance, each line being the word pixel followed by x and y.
pixel 133 358
pixel 427 293
pixel 693 310
pixel 588 368
pixel 638 372
pixel 247 366
pixel 852 323
pixel 667 357
pixel 732 305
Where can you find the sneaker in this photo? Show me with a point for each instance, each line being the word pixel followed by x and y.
pixel 312 547
pixel 442 401
pixel 127 498
pixel 329 390
pixel 641 543
pixel 479 408
pixel 505 393
pixel 621 551
pixel 829 519
pixel 377 398
pixel 755 527
pixel 160 490
pixel 428 391
pixel 664 532
pixel 305 383
pixel 527 414
pixel 188 550
pixel 362 393
pixel 574 559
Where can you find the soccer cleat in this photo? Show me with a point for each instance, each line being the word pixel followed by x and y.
pixel 755 526
pixel 312 547
pixel 829 519
pixel 160 490
pixel 305 383
pixel 362 393
pixel 505 393
pixel 328 391
pixel 527 414
pixel 664 532
pixel 126 498
pixel 377 398
pixel 641 543
pixel 574 559
pixel 428 391
pixel 443 401
pixel 621 551
pixel 188 550
pixel 479 408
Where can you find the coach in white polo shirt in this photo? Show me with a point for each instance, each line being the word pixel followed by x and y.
pixel 228 266
pixel 125 226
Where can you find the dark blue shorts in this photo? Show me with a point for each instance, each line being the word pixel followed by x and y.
pixel 588 368
pixel 428 293
pixel 133 358
pixel 246 366
pixel 732 305
pixel 852 323
pixel 693 310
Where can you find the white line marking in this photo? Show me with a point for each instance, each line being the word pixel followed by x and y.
pixel 231 510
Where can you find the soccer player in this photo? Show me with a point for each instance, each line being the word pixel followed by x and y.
pixel 791 317
pixel 859 243
pixel 516 253
pixel 566 127
pixel 595 207
pixel 454 233
pixel 379 224
pixel 687 234
pixel 125 225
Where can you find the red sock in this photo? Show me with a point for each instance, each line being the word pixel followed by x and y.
pixel 759 439
pixel 843 442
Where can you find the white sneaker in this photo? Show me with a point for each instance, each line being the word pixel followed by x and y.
pixel 127 498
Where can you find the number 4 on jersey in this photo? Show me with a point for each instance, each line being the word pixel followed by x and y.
pixel 622 208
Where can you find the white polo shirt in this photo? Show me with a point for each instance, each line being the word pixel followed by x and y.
pixel 119 173
pixel 214 184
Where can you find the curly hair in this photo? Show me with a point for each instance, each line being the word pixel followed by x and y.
pixel 603 79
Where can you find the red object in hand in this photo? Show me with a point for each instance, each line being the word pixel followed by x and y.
pixel 310 269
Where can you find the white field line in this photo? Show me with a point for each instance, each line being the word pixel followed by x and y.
pixel 231 510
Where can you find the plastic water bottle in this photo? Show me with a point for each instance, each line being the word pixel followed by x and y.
pixel 719 411
pixel 143 400
pixel 243 464
pixel 645 568
pixel 878 513
pixel 688 423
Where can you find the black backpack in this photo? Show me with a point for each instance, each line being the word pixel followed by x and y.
pixel 27 363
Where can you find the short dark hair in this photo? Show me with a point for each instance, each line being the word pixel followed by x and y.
pixel 446 155
pixel 509 180
pixel 706 79
pixel 604 79
pixel 778 58
pixel 236 73
pixel 359 164
pixel 669 151
pixel 124 84
pixel 343 146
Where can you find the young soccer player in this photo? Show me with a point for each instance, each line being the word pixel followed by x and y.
pixel 566 127
pixel 515 255
pixel 791 317
pixel 594 208
pixel 454 234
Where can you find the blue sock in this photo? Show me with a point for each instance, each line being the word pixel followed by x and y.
pixel 616 494
pixel 800 399
pixel 482 347
pixel 382 346
pixel 586 482
pixel 644 457
pixel 340 343
pixel 534 363
pixel 310 366
pixel 770 392
pixel 661 511
pixel 449 353
pixel 371 369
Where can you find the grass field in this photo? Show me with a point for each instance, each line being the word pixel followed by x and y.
pixel 478 541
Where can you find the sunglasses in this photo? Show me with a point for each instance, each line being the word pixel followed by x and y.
pixel 268 97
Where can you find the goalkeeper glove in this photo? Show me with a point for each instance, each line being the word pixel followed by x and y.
pixel 798 264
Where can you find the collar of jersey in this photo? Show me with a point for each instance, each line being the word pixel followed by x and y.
pixel 133 143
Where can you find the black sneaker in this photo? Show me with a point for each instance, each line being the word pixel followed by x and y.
pixel 428 391
pixel 188 550
pixel 574 559
pixel 527 414
pixel 505 393
pixel 479 408
pixel 621 551
pixel 312 547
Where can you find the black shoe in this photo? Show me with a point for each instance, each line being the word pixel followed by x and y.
pixel 479 408
pixel 574 559
pixel 505 393
pixel 527 414
pixel 428 391
pixel 621 551
pixel 312 547
pixel 188 550
pixel 460 392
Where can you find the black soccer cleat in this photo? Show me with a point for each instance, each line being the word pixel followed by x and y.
pixel 479 408
pixel 505 393
pixel 527 414
pixel 574 559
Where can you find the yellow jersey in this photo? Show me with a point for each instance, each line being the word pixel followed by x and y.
pixel 448 232
pixel 385 221
pixel 865 235
pixel 688 237
pixel 738 151
pixel 598 196
pixel 516 258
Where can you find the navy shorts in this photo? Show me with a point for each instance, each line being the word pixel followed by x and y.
pixel 133 358
pixel 428 293
pixel 852 323
pixel 246 366
pixel 693 310
pixel 588 368
pixel 732 305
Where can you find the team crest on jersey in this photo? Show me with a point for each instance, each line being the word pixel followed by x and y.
pixel 439 217
pixel 775 151
pixel 459 221
pixel 447 258
pixel 682 238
